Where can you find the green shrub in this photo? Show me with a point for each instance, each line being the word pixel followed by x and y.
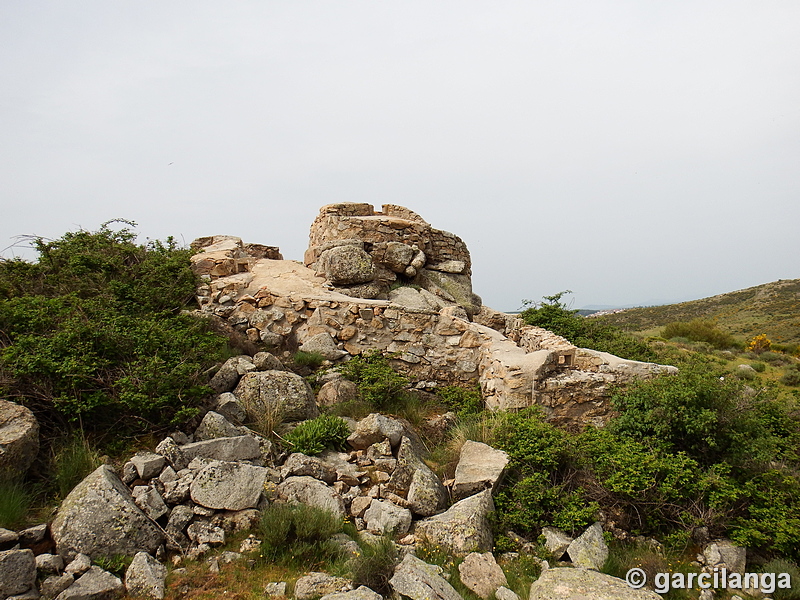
pixel 694 411
pixel 377 381
pixel 791 376
pixel 298 535
pixel 531 443
pixel 535 493
pixel 554 316
pixel 316 435
pixel 312 360
pixel 759 367
pixel 93 332
pixel 374 565
pixel 772 357
pixel 72 462
pixel 699 330
pixel 15 503
pixel 461 400
pixel 648 487
pixel 771 519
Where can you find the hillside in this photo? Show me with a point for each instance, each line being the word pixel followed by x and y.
pixel 771 308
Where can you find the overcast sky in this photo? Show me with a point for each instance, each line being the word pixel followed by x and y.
pixel 630 151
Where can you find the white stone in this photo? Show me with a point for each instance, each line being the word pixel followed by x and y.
pixel 146 577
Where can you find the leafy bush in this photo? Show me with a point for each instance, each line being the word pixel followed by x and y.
pixel 298 535
pixel 93 332
pixel 311 360
pixel 463 401
pixel 758 367
pixel 15 502
pixel 377 381
pixel 695 412
pixel 314 436
pixel 699 330
pixel 536 493
pixel 648 488
pixel 771 519
pixel 554 316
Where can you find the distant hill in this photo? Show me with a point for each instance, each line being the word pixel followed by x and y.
pixel 771 308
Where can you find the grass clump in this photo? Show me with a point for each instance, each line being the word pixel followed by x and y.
pixel 780 565
pixel 72 462
pixel 299 536
pixel 15 503
pixel 625 556
pixel 316 435
pixel 117 564
pixel 791 376
pixel 374 565
pixel 312 360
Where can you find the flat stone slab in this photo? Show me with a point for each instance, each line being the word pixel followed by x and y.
pixel 95 584
pixel 228 486
pixel 241 447
pixel 583 584
pixel 479 467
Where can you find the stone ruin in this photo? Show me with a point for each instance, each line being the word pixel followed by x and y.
pixel 390 282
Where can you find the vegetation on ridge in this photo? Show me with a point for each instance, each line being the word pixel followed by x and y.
pixel 772 308
pixel 93 333
pixel 553 315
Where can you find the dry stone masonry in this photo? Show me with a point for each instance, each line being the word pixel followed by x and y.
pixel 389 281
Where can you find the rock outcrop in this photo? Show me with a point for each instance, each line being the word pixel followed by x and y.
pixel 589 551
pixel 100 519
pixel 19 439
pixel 17 572
pixel 416 579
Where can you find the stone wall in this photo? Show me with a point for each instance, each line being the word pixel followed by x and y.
pixel 224 255
pixel 282 305
pixel 402 246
